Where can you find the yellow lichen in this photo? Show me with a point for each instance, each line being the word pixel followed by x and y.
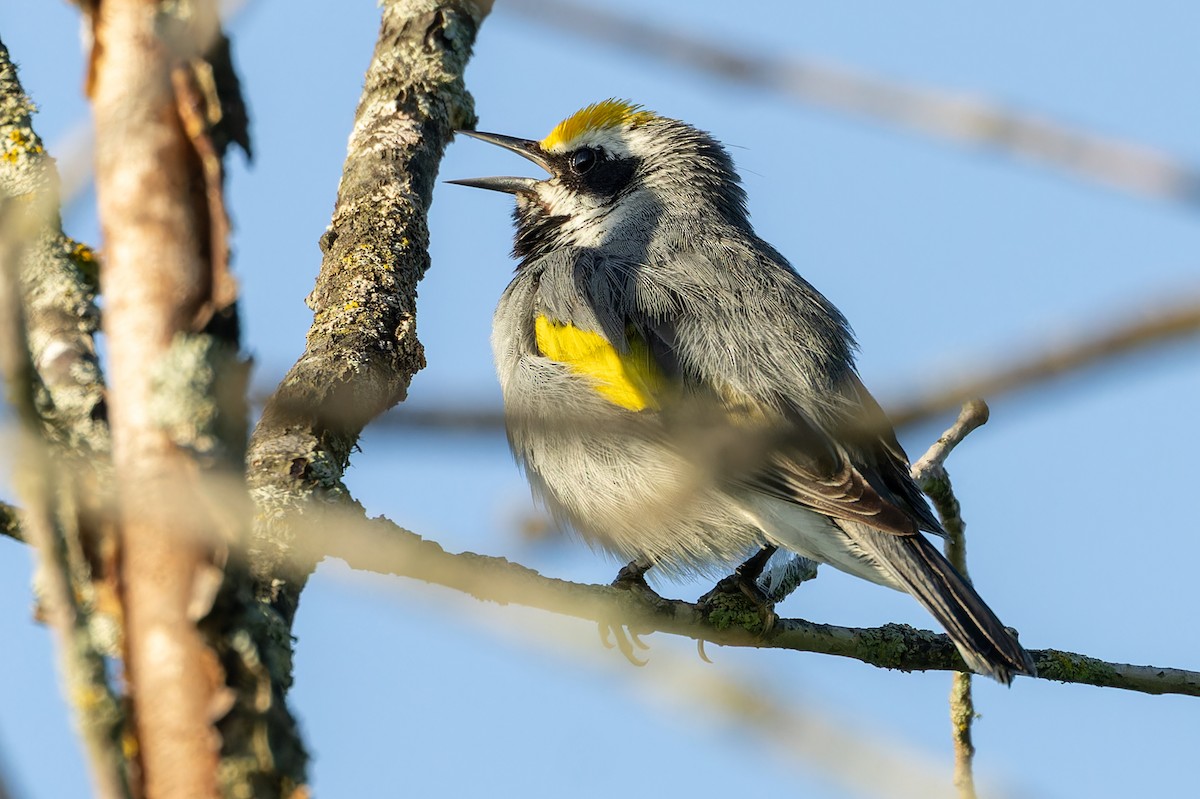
pixel 82 252
pixel 19 143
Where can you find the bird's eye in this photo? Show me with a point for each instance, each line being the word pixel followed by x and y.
pixel 583 160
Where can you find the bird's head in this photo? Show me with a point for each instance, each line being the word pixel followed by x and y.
pixel 616 171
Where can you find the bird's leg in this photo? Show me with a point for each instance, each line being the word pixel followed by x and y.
pixel 737 600
pixel 752 569
pixel 632 577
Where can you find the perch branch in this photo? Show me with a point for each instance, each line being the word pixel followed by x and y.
pixel 380 546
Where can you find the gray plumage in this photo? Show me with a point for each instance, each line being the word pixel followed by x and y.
pixel 761 432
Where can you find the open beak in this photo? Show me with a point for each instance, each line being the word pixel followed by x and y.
pixel 522 147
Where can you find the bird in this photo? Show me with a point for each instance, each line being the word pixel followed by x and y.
pixel 678 395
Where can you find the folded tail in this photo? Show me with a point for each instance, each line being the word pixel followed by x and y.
pixel 984 643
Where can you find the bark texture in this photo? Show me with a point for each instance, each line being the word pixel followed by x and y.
pixel 48 313
pixel 361 353
pixel 362 348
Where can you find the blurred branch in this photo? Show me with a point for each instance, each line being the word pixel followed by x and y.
pixel 166 104
pixel 930 474
pixel 1160 325
pixel 53 382
pixel 10 523
pixel 956 117
pixel 1157 326
pixel 74 148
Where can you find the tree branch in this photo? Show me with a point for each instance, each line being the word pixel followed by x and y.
pixel 170 323
pixel 954 117
pixel 380 546
pixel 54 383
pixel 58 279
pixel 362 348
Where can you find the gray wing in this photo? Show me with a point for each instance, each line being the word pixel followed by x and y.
pixel 757 342
pixel 858 472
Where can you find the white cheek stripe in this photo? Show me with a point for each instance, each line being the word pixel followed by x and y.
pixel 587 223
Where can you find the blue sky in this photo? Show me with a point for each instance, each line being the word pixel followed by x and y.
pixel 943 258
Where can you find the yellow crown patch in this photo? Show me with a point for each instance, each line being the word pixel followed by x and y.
pixel 602 115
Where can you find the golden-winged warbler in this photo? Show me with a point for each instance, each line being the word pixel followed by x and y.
pixel 680 396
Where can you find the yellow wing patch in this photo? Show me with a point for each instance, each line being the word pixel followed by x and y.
pixel 631 379
pixel 602 115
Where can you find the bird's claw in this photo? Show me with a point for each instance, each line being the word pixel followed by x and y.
pixel 632 577
pixel 737 601
pixel 625 640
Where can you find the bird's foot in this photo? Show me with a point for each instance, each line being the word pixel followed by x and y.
pixel 632 577
pixel 738 601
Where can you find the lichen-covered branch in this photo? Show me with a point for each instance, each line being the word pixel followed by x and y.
pixel 362 348
pixel 380 546
pixel 165 281
pixel 58 281
pixel 49 317
pixel 58 285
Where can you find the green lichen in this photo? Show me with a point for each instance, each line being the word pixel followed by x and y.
pixel 733 611
pixel 195 385
pixel 897 646
pixel 1053 664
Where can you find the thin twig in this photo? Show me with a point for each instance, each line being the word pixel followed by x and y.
pixel 930 473
pixel 962 713
pixel 961 118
